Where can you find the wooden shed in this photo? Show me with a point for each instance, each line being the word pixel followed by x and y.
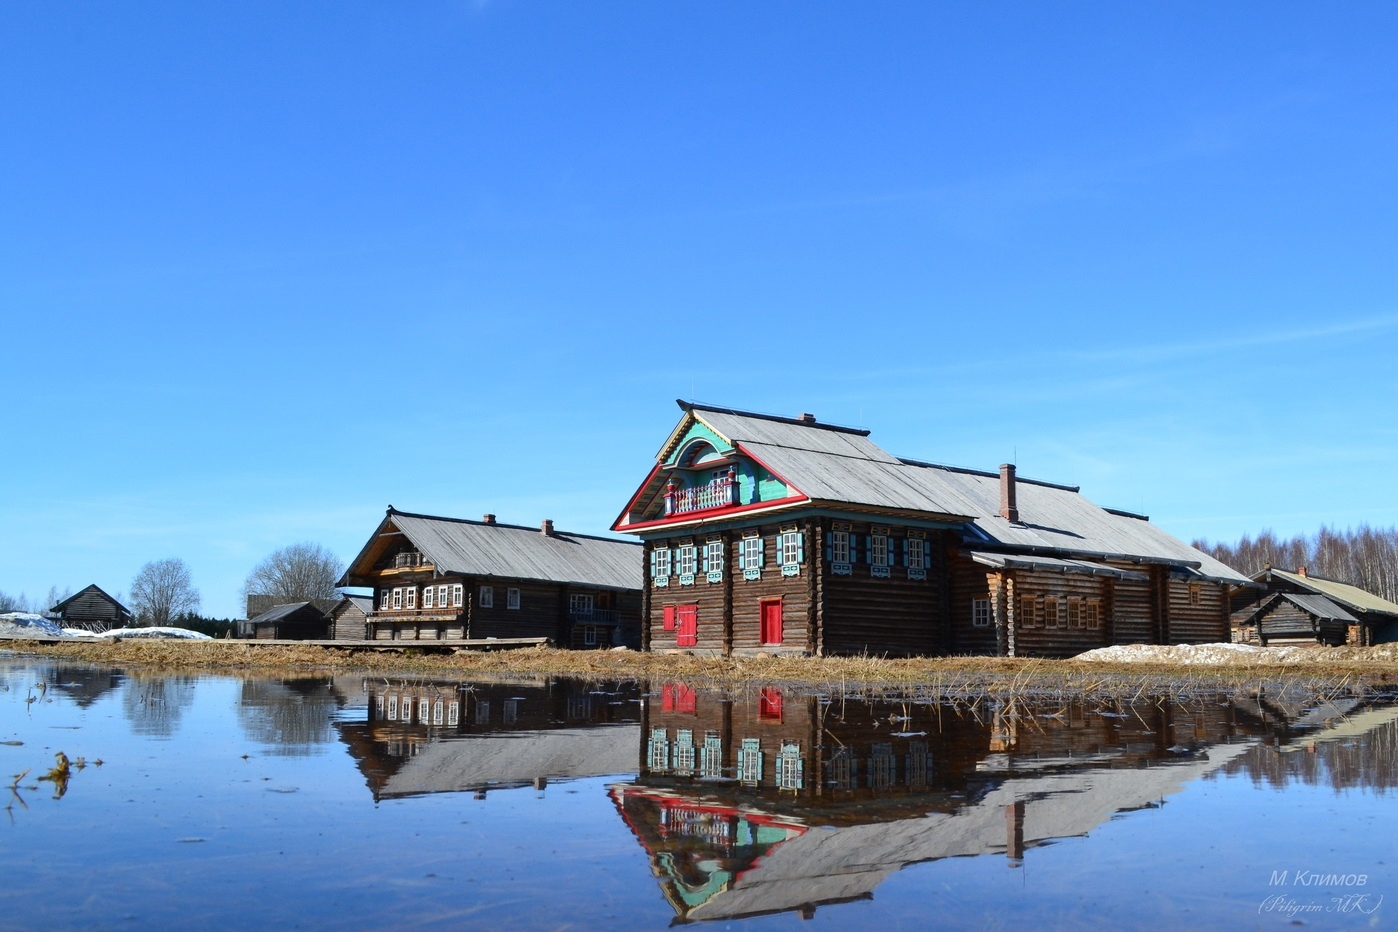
pixel 448 579
pixel 294 621
pixel 1287 606
pixel 93 610
pixel 349 619
pixel 786 535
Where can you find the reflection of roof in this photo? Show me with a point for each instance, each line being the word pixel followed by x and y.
pixel 474 548
pixel 1347 595
pixel 830 864
pixel 516 759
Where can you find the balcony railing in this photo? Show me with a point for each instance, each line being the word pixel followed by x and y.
pixel 410 558
pixel 716 493
pixel 598 616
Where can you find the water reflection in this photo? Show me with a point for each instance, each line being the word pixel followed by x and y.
pixel 449 736
pixel 290 715
pixel 154 704
pixel 766 801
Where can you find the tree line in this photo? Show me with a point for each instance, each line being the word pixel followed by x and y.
pixel 1365 557
pixel 163 591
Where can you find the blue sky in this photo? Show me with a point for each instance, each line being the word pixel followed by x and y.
pixel 268 268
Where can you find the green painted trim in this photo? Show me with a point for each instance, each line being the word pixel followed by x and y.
pixel 782 516
pixel 698 431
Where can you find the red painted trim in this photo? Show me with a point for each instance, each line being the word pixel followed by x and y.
pixel 632 503
pixel 708 514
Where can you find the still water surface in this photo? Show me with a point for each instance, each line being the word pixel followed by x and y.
pixel 373 802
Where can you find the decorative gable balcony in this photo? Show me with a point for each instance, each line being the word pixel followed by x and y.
pixel 719 492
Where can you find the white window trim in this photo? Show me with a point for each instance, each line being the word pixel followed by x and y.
pixel 512 599
pixel 397 597
pixel 429 596
pixel 839 546
pixel 487 596
pixel 457 592
pixel 410 598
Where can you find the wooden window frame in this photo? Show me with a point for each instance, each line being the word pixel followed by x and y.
pixel 397 598
pixel 1195 595
pixel 486 597
pixel 458 593
pixel 790 547
pixel 429 596
pixel 980 613
pixel 512 599
pixel 1028 610
pixel 713 556
pixel 917 553
pixel 839 546
pixel 687 560
pixel 385 599
pixel 880 553
pixel 662 561
pixel 752 552
pixel 410 598
pixel 1094 614
pixel 1051 613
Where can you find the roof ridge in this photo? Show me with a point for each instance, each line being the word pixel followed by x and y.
pixel 511 527
pixel 966 470
pixel 688 406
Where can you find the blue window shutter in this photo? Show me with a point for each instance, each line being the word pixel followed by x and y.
pixel 829 546
pixel 869 547
pixel 742 555
pixel 853 547
pixel 800 546
pixel 652 562
pixel 761 552
pixel 905 551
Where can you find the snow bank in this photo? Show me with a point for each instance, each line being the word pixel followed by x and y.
pixel 22 623
pixel 124 633
pixel 1217 654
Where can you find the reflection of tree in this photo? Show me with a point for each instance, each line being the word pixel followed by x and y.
pixel 154 704
pixel 1368 761
pixel 290 716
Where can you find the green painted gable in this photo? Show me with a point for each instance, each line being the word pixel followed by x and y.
pixel 697 431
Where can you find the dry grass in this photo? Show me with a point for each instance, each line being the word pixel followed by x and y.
pixel 1322 670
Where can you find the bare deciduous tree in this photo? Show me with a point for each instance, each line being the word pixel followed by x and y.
pixel 13 603
pixel 297 573
pixel 163 589
pixel 1365 557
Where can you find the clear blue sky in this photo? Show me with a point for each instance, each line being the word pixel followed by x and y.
pixel 268 268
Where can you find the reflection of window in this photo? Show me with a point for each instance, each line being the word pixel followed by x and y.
pixel 424 710
pixel 511 711
pixel 790 768
pixel 980 613
pixel 750 762
pixel 378 707
pixel 919 764
pixel 711 755
pixel 844 770
pixel 437 712
pixel 658 754
pixel 882 766
pixel 487 598
pixel 482 711
pixel 684 751
pixel 454 713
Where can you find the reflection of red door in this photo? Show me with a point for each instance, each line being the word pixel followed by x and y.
pixel 771 621
pixel 687 618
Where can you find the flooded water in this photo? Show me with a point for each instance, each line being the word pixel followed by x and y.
pixel 231 802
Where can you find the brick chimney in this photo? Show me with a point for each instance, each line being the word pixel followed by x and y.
pixel 1008 509
pixel 489 519
pixel 547 527
pixel 805 418
pixel 1301 571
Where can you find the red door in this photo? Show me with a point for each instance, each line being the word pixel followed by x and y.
pixel 687 632
pixel 771 621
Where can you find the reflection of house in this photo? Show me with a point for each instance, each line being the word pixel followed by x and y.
pixel 295 621
pixel 767 802
pixel 92 609
pixel 784 535
pixel 1301 608
pixel 349 619
pixel 449 579
pixel 438 737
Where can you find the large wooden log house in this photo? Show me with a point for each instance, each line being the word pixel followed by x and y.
pixel 452 579
pixel 92 609
pixel 785 535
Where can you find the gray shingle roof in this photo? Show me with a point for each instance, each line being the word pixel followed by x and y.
pixel 473 548
pixel 843 466
pixel 1343 593
pixel 278 612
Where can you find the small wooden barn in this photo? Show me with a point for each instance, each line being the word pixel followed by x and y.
pixel 785 535
pixel 294 621
pixel 446 579
pixel 349 619
pixel 93 610
pixel 1297 607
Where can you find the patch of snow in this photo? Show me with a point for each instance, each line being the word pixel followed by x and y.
pixel 155 632
pixel 79 633
pixel 1216 654
pixel 22 623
